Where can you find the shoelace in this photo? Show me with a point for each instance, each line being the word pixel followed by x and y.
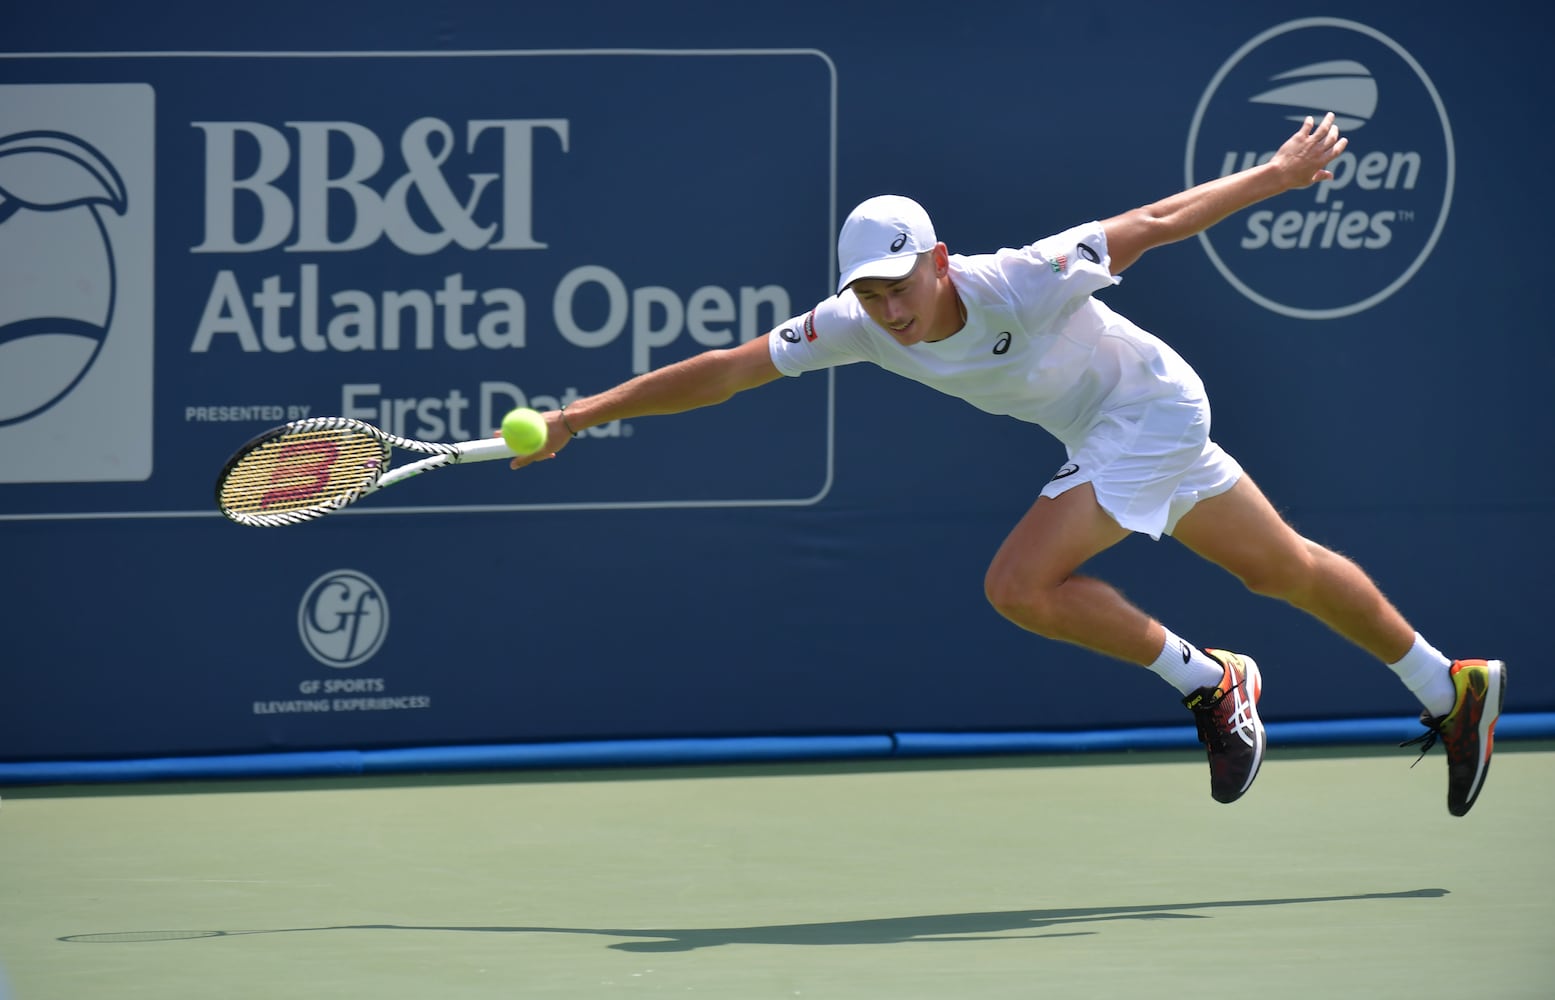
pixel 1212 735
pixel 1427 740
pixel 1208 734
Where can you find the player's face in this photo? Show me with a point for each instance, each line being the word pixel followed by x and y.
pixel 907 306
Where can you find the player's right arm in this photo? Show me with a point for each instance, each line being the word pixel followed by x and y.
pixel 701 380
pixel 1302 160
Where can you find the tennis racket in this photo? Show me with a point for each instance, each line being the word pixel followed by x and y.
pixel 308 468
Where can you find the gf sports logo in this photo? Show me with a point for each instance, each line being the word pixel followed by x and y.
pixel 343 618
pixel 76 236
pixel 1342 246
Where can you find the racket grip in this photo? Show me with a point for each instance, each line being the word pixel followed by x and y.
pixel 483 450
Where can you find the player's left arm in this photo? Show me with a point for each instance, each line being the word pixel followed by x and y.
pixel 704 379
pixel 1302 160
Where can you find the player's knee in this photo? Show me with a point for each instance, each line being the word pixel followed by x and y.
pixel 1027 606
pixel 1285 578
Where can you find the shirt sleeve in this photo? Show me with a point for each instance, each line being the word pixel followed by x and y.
pixel 831 334
pixel 1052 276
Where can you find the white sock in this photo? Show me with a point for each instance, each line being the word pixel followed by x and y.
pixel 1424 671
pixel 1185 667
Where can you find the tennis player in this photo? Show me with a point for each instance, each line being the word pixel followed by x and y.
pixel 1020 333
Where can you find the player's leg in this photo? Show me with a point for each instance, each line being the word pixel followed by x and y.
pixel 1242 532
pixel 1033 581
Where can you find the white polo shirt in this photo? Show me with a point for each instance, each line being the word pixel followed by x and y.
pixel 1036 346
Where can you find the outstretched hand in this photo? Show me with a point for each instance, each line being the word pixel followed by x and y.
pixel 557 437
pixel 1304 158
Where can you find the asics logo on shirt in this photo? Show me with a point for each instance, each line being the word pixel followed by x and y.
pixel 1003 343
pixel 1089 254
pixel 1066 472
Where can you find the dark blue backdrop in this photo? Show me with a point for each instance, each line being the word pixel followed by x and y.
pixel 809 558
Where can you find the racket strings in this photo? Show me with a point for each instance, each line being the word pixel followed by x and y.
pixel 351 425
pixel 299 470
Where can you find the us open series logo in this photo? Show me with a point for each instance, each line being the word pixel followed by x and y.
pixel 76 251
pixel 1342 246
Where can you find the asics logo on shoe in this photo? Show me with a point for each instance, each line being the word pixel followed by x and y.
pixel 1241 720
pixel 1231 707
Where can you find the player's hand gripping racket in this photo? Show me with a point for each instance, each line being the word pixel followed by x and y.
pixel 308 468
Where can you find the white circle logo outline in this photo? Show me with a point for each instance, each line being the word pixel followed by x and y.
pixel 306 603
pixel 1441 219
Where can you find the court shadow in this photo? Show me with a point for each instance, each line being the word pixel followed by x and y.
pixel 938 928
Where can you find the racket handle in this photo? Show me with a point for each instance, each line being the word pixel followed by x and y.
pixel 483 450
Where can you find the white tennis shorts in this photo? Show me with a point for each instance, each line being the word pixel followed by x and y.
pixel 1149 463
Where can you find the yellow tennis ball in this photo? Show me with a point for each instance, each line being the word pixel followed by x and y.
pixel 524 431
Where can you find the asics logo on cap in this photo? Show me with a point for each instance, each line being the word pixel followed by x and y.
pixel 880 238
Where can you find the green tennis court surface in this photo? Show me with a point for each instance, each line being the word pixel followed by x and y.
pixel 1340 875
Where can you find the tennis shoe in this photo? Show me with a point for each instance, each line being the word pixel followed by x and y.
pixel 1467 732
pixel 1228 724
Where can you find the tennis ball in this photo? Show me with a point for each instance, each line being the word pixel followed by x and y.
pixel 524 431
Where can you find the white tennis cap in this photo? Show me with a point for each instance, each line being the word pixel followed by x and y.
pixel 882 238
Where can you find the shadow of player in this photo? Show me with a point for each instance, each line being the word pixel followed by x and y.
pixel 940 927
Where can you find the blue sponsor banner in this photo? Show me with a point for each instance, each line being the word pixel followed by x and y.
pixel 419 241
pixel 195 245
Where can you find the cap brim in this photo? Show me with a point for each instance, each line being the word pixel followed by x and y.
pixel 889 268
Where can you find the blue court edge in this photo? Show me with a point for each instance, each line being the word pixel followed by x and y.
pixel 744 749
